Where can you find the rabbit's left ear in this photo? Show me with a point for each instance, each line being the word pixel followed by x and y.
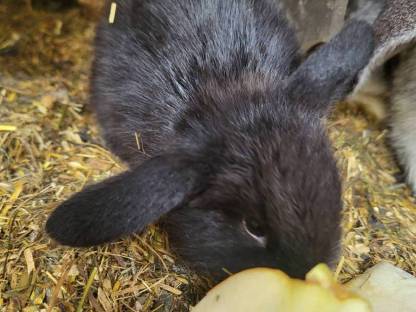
pixel 329 73
pixel 126 203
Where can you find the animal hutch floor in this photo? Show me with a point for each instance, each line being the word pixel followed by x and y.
pixel 50 148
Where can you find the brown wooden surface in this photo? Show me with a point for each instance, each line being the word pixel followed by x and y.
pixel 316 20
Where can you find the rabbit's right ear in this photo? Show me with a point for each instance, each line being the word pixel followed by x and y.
pixel 126 203
pixel 328 75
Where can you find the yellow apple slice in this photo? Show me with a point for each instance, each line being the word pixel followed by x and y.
pixel 267 290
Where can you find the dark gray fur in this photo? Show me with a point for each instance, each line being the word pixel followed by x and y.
pixel 232 124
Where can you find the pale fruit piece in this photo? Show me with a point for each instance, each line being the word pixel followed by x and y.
pixel 267 290
pixel 387 288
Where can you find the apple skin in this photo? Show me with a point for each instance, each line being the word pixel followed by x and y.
pixel 268 290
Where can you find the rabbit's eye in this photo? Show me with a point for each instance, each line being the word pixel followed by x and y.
pixel 255 230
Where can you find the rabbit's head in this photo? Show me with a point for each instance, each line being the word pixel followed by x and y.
pixel 256 187
pixel 272 198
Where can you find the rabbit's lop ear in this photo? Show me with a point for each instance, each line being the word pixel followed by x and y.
pixel 126 203
pixel 329 73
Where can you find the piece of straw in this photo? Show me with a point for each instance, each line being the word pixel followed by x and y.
pixel 112 16
pixel 86 289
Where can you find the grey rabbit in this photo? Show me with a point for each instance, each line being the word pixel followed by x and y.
pixel 403 113
pixel 387 88
pixel 237 165
pixel 390 96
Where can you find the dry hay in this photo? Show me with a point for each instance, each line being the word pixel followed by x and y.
pixel 49 148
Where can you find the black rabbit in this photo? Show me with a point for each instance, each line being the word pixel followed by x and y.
pixel 236 157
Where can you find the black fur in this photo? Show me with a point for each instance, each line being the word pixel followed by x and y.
pixel 328 84
pixel 217 84
pixel 126 203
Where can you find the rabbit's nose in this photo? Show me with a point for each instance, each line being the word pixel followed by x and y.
pixel 299 272
pixel 298 267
